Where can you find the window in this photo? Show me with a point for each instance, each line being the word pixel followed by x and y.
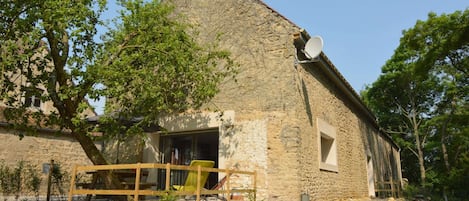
pixel 182 148
pixel 33 98
pixel 327 144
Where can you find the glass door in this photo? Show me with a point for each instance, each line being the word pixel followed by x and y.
pixel 182 148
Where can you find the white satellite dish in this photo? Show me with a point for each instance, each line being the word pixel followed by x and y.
pixel 313 47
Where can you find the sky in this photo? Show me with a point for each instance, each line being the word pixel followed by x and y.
pixel 361 35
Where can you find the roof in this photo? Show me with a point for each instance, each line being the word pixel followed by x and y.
pixel 279 14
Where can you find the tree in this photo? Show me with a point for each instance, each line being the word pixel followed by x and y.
pixel 148 65
pixel 434 54
pixel 401 103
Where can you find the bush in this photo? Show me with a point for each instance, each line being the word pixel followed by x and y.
pixel 60 179
pixel 20 179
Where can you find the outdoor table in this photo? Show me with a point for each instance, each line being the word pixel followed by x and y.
pixel 126 177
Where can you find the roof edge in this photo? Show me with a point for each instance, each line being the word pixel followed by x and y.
pixel 333 73
pixel 279 14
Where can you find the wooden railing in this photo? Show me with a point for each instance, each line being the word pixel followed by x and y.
pixel 136 191
pixel 388 189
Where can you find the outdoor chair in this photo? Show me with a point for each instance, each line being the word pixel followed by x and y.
pixel 219 185
pixel 191 180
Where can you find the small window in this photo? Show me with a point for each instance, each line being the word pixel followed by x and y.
pixel 327 144
pixel 33 98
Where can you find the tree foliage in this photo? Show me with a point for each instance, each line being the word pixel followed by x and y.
pixel 421 98
pixel 147 65
pixel 45 47
pixel 169 72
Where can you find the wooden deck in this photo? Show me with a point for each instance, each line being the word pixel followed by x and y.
pixel 138 187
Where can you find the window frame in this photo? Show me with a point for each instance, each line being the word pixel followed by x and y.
pixel 327 146
pixel 33 96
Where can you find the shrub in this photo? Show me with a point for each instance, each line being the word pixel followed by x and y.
pixel 21 179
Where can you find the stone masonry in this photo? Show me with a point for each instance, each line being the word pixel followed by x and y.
pixel 40 149
pixel 277 104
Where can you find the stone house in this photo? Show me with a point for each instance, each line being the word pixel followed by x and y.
pixel 300 126
pixel 39 149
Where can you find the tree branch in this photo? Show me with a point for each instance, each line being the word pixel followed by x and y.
pixel 120 48
pixel 65 49
pixel 455 63
pixel 395 132
pixel 67 107
pixel 424 139
pixel 413 151
pixel 90 82
pixel 52 90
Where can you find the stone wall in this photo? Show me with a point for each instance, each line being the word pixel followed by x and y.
pixel 39 150
pixel 264 96
pixel 286 99
pixel 260 42
pixel 326 102
pixel 385 159
pixel 242 143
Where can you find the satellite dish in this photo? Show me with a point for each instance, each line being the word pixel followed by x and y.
pixel 313 47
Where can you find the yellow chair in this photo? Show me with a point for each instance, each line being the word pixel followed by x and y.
pixel 191 180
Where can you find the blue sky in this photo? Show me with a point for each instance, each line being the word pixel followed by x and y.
pixel 361 35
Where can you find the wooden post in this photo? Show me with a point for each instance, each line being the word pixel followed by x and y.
pixel 49 179
pixel 199 174
pixel 392 188
pixel 72 183
pixel 168 169
pixel 138 176
pixel 137 181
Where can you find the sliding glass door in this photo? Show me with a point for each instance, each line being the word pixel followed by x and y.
pixel 182 148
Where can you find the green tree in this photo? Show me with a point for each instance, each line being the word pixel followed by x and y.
pixel 432 58
pixel 402 104
pixel 147 65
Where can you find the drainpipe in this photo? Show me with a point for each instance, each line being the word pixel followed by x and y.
pixel 304 197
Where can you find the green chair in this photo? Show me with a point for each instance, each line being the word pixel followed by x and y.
pixel 191 180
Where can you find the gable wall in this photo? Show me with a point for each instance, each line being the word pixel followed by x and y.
pixel 261 42
pixel 285 99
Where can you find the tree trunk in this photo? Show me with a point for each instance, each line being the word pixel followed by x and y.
pixel 90 149
pixel 420 158
pixel 110 180
pixel 444 150
pixel 419 147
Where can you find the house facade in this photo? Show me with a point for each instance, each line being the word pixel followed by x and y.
pixel 40 148
pixel 300 126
